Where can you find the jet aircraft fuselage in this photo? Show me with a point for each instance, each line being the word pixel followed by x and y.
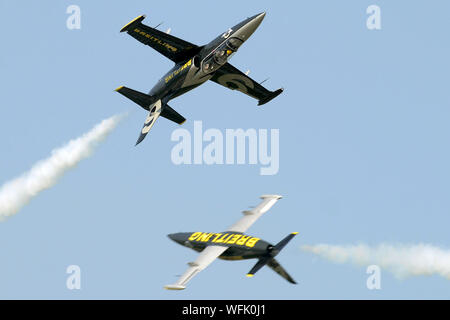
pixel 233 244
pixel 194 65
pixel 240 246
pixel 196 70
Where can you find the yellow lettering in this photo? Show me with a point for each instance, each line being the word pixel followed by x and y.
pixel 234 238
pixel 194 235
pixel 217 236
pixel 203 237
pixel 222 238
pixel 229 237
pixel 251 242
pixel 242 240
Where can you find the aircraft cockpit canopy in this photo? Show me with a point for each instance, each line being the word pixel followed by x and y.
pixel 234 43
pixel 220 56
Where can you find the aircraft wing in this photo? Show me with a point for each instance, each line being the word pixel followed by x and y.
pixel 250 216
pixel 230 77
pixel 172 47
pixel 205 258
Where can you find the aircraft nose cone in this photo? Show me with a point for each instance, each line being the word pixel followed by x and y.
pixel 172 236
pixel 259 17
pixel 250 26
pixel 256 20
pixel 177 237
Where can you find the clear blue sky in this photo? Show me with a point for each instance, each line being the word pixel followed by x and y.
pixel 364 151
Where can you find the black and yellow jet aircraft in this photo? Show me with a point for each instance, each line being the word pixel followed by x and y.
pixel 194 65
pixel 232 244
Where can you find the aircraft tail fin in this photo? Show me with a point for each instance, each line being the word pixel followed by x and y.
pixel 155 107
pixel 269 260
pixel 142 99
pixel 155 112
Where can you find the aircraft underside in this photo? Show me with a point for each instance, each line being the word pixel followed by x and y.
pixel 194 65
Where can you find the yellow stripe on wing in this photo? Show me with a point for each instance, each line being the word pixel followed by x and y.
pixel 129 23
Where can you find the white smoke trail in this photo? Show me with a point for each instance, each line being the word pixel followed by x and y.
pixel 18 192
pixel 401 260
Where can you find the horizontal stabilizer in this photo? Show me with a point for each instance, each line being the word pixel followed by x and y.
pixel 170 114
pixel 269 260
pixel 275 266
pixel 280 245
pixel 142 99
pixel 272 264
pixel 261 263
